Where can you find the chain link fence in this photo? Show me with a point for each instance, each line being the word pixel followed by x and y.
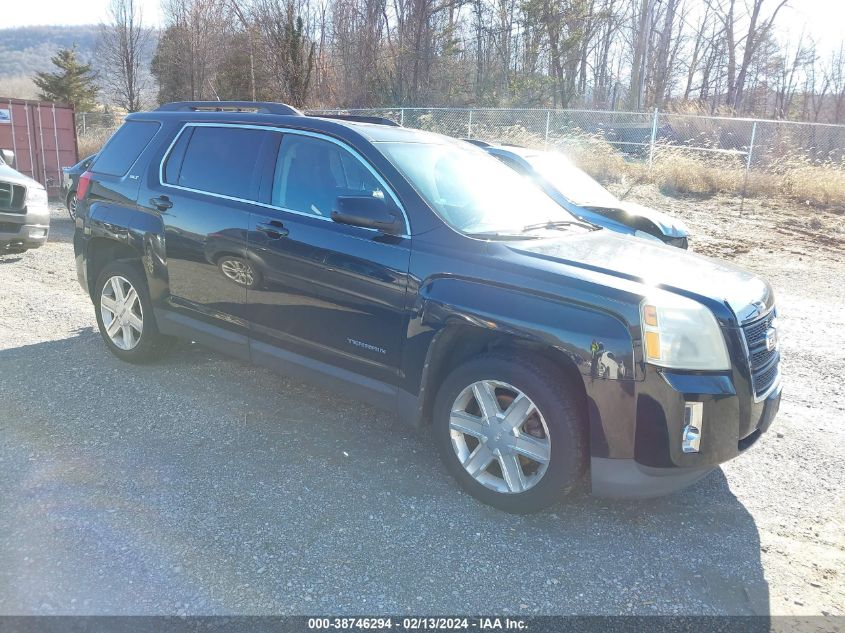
pixel 682 152
pixel 636 135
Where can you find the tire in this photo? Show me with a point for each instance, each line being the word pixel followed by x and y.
pixel 555 429
pixel 70 203
pixel 239 271
pixel 144 343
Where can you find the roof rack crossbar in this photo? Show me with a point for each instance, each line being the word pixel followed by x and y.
pixel 266 107
pixel 378 120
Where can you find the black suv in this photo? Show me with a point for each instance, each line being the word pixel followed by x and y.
pixel 421 274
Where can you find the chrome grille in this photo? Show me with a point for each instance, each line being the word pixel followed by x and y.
pixel 762 361
pixel 12 197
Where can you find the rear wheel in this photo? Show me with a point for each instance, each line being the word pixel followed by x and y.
pixel 125 313
pixel 510 431
pixel 71 205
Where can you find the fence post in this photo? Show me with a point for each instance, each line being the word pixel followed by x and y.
pixel 548 117
pixel 747 167
pixel 750 147
pixel 402 117
pixel 653 138
pixel 469 125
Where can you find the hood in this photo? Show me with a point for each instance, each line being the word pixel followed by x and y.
pixel 669 226
pixel 655 264
pixel 7 174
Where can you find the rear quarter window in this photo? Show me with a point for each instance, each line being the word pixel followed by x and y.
pixel 124 147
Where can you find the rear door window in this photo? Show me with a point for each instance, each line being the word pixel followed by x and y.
pixel 124 147
pixel 218 160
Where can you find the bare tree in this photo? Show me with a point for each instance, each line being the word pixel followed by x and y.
pixel 123 49
pixel 288 49
pixel 748 41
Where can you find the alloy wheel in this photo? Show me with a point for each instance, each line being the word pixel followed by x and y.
pixel 500 436
pixel 121 312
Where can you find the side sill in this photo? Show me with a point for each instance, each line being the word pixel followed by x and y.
pixel 217 338
pixel 374 392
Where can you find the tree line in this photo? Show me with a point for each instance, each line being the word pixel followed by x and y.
pixel 709 56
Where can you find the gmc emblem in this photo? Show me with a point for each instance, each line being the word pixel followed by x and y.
pixel 771 339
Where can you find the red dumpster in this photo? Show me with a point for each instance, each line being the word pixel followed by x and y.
pixel 42 135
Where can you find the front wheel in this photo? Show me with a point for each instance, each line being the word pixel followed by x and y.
pixel 510 430
pixel 239 271
pixel 125 313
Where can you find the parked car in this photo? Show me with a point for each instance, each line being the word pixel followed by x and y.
pixel 583 196
pixel 24 210
pixel 415 272
pixel 70 176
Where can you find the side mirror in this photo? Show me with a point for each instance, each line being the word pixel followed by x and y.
pixel 369 212
pixel 8 157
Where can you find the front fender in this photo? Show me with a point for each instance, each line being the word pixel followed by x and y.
pixel 596 342
pixel 583 334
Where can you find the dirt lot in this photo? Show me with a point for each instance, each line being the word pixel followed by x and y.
pixel 203 485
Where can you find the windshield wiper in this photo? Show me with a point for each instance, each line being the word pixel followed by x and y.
pixel 559 224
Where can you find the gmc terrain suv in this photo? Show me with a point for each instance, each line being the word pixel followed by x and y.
pixel 24 211
pixel 423 275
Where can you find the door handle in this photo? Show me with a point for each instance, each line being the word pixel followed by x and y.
pixel 162 203
pixel 273 229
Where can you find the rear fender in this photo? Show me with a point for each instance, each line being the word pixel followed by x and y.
pixel 140 232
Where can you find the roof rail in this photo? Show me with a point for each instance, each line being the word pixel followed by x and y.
pixel 477 142
pixel 264 107
pixel 378 120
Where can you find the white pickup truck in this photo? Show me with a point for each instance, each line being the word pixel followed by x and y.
pixel 24 210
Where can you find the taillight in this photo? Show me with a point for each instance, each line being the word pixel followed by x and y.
pixel 82 185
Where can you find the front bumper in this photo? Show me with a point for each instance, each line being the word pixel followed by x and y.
pixel 23 229
pixel 626 479
pixel 21 237
pixel 732 421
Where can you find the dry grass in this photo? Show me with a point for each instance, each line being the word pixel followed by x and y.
pixel 92 141
pixel 684 171
pixel 18 87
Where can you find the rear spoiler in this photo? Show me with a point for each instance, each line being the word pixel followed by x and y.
pixel 378 120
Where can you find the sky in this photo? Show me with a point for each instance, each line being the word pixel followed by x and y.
pixel 820 19
pixel 38 12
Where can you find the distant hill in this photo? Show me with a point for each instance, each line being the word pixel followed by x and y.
pixel 27 49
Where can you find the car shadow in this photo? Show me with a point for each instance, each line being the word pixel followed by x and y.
pixel 200 484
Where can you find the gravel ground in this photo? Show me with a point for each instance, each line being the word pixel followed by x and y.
pixel 202 485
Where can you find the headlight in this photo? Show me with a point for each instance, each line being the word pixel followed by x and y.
pixel 679 333
pixel 36 196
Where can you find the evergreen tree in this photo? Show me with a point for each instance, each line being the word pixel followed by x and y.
pixel 74 83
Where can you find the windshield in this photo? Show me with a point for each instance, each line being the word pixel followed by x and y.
pixel 472 191
pixel 573 183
